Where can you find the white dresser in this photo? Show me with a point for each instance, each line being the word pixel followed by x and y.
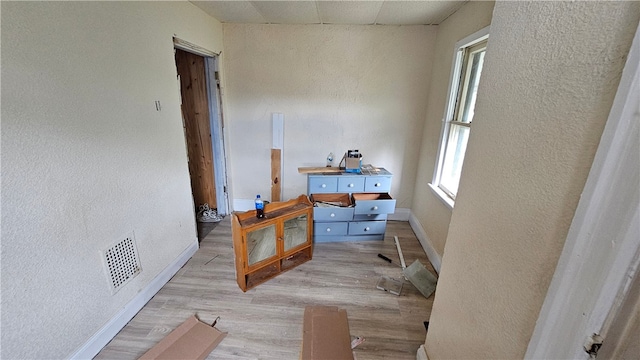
pixel 365 203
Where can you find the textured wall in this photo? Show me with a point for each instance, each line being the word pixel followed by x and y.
pixel 339 88
pixel 550 76
pixel 433 215
pixel 87 159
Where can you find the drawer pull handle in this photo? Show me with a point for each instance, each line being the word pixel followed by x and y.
pixel 378 184
pixel 350 185
pixel 367 229
pixel 332 215
pixel 323 185
pixel 374 208
pixel 328 229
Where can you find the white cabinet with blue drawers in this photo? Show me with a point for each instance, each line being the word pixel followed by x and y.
pixel 365 203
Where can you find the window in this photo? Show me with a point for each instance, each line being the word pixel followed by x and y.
pixel 458 117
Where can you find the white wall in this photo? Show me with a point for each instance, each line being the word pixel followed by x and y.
pixel 432 214
pixel 550 75
pixel 87 160
pixel 339 88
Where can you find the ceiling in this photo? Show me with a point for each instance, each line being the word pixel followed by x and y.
pixel 363 12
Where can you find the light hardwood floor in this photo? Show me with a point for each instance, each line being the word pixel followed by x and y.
pixel 266 322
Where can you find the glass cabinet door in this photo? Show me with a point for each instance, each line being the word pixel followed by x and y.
pixel 295 231
pixel 261 244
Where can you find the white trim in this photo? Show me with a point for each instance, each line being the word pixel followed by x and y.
pixel 606 227
pixel 277 132
pixel 421 354
pixel 446 200
pixel 192 48
pixel 217 135
pixel 427 245
pixel 243 204
pixel 476 37
pixel 102 337
pixel 401 214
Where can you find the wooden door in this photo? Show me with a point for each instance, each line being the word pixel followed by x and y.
pixel 195 114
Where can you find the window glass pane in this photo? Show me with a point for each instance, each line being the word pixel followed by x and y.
pixel 453 158
pixel 471 86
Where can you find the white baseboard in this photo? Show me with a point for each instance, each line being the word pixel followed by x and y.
pixel 401 214
pixel 243 204
pixel 422 353
pixel 101 338
pixel 426 243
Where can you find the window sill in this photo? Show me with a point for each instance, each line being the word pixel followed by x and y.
pixel 446 200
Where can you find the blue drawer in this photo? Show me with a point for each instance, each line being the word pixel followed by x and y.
pixel 350 184
pixel 322 184
pixel 377 184
pixel 367 227
pixel 330 228
pixel 369 217
pixel 332 214
pixel 374 203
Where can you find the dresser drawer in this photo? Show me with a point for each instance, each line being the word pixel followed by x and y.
pixel 332 214
pixel 351 184
pixel 324 209
pixel 377 184
pixel 330 228
pixel 323 184
pixel 369 217
pixel 377 203
pixel 367 227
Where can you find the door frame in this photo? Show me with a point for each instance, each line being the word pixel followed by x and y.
pixel 216 123
pixel 601 254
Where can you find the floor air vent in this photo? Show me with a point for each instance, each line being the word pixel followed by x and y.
pixel 122 263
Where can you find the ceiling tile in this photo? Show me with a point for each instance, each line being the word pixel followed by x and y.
pixel 288 12
pixel 416 12
pixel 349 12
pixel 231 11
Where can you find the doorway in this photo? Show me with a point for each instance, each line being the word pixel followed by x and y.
pixel 202 123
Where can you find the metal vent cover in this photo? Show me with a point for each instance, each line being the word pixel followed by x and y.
pixel 121 263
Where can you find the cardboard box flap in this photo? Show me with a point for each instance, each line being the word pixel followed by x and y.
pixel 326 334
pixel 193 339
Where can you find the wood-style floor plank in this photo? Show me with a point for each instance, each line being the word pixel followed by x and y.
pixel 266 322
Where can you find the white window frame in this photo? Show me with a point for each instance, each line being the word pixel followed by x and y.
pixel 455 82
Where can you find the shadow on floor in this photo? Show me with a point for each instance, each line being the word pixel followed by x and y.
pixel 204 228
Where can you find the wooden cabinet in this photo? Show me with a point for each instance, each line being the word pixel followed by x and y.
pixel 278 242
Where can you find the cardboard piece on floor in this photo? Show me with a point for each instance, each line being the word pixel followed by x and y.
pixel 325 334
pixel 191 340
pixel 421 278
